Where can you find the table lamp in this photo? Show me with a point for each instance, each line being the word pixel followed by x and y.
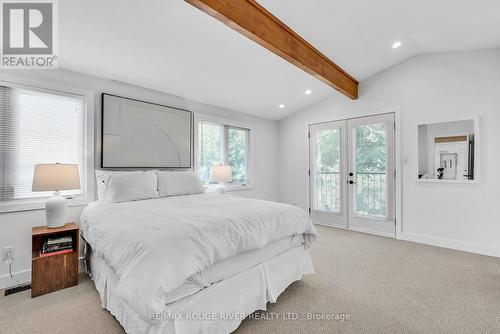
pixel 56 177
pixel 221 174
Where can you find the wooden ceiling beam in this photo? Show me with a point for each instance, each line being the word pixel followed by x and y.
pixel 255 22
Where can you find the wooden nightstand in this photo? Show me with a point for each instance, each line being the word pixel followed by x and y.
pixel 55 272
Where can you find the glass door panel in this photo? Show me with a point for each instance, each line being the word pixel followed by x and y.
pixel 327 169
pixel 371 170
pixel 327 173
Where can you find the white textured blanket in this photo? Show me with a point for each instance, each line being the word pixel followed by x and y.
pixel 154 245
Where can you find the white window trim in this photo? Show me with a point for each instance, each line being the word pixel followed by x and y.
pixel 199 117
pixel 88 170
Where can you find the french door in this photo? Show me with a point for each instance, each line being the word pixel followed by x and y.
pixel 352 174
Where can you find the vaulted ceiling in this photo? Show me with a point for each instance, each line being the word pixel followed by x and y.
pixel 170 46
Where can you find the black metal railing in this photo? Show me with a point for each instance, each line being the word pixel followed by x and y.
pixel 371 193
pixel 328 191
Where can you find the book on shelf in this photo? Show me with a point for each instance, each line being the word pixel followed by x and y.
pixel 59 240
pixel 52 250
pixel 56 245
pixel 61 244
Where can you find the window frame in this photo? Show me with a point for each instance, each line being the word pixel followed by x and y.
pixel 226 124
pixel 87 170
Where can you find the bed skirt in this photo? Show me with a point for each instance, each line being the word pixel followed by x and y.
pixel 217 309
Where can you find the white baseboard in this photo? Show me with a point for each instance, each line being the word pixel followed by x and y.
pixel 380 234
pixel 329 225
pixel 451 244
pixel 360 230
pixel 439 242
pixel 24 276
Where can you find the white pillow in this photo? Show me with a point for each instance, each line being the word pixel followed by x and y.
pixel 102 177
pixel 179 183
pixel 127 186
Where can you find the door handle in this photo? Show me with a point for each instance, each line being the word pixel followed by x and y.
pixel 351 182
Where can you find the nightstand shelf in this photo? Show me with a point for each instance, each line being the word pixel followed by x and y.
pixel 55 272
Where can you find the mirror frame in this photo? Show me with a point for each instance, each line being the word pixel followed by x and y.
pixel 477 160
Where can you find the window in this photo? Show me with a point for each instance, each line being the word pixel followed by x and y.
pixel 38 127
pixel 220 143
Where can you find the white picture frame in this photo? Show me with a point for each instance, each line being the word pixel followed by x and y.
pixel 140 134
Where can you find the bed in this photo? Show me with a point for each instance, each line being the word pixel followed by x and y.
pixel 197 263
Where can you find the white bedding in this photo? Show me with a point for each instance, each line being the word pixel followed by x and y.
pixel 235 297
pixel 232 266
pixel 154 246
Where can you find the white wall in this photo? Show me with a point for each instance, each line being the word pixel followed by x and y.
pixel 426 89
pixel 15 228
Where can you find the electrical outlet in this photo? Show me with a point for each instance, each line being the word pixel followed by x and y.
pixel 8 253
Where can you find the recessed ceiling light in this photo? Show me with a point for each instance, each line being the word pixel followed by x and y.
pixel 281 106
pixel 396 44
pixel 308 92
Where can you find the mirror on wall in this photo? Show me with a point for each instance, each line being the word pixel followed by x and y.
pixel 446 151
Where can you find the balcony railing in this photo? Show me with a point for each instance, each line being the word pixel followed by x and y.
pixel 371 193
pixel 328 191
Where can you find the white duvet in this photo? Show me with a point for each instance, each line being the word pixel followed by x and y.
pixel 155 245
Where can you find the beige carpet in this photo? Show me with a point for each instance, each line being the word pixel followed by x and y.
pixel 384 285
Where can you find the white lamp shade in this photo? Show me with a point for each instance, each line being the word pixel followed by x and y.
pixel 51 177
pixel 221 174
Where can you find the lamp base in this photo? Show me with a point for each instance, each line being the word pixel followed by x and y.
pixel 220 189
pixel 56 209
